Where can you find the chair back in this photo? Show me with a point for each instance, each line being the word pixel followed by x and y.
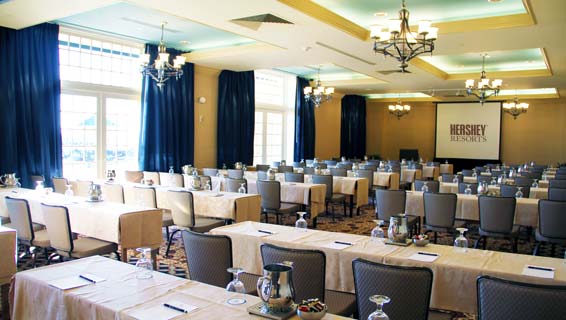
pixel 433 185
pixel 557 194
pixel 324 179
pixel 262 175
pixel 523 181
pixel 344 165
pixel 58 227
pixel 113 192
pixel 153 176
pixel 560 176
pixel 140 196
pixel 389 203
pixel 462 187
pixel 308 170
pixel 182 208
pixel 261 167
pixel 440 209
pixel 204 180
pixel 480 169
pixel 270 192
pixel 368 174
pixel 208 257
pixel 322 165
pixel 330 162
pixel 235 173
pixel 500 299
pixel 275 164
pixel 309 162
pixel 82 188
pixel 211 172
pixel 232 185
pixel 338 172
pixel 412 285
pixel 509 190
pixel 497 214
pixel 20 218
pixel 557 184
pixel 171 180
pixel 496 173
pixel 372 167
pixel 467 172
pixel 297 164
pixel 35 178
pixel 481 178
pixel 294 177
pixel 283 169
pixel 60 184
pixel 551 218
pixel 309 269
pixel 133 176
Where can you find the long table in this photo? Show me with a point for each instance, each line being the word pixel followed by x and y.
pixel 129 226
pixel 526 210
pixel 389 180
pixel 535 193
pixel 454 286
pixel 121 295
pixel 7 265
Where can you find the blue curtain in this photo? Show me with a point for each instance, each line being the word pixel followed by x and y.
pixel 167 119
pixel 305 132
pixel 353 127
pixel 30 91
pixel 236 117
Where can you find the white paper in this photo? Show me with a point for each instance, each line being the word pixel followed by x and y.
pixel 337 246
pixel 93 277
pixel 539 273
pixel 69 282
pixel 160 312
pixel 259 234
pixel 423 257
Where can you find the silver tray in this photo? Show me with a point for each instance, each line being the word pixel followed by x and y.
pixel 260 310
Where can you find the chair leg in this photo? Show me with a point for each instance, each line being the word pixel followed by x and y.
pixel 124 255
pixel 535 251
pixel 278 218
pixel 4 293
pixel 314 221
pixel 435 236
pixel 167 232
pixel 154 258
pixel 169 242
pixel 345 208
pixel 351 205
pixel 484 243
pixel 552 249
pixel 477 242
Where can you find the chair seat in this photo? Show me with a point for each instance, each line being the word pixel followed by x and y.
pixel 203 225
pixel 340 303
pixel 514 233
pixel 4 220
pixel 288 208
pixel 457 224
pixel 86 247
pixel 41 239
pixel 338 197
pixel 167 220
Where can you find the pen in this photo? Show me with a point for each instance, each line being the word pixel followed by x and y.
pixel 540 268
pixel 428 254
pixel 175 308
pixel 341 242
pixel 87 279
pixel 265 231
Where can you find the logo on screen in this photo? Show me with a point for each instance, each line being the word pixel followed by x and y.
pixel 468 132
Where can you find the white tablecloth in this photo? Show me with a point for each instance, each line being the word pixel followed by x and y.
pixel 535 193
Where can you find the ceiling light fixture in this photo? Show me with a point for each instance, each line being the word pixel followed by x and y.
pixel 400 42
pixel 484 90
pixel 318 94
pixel 399 110
pixel 515 108
pixel 161 70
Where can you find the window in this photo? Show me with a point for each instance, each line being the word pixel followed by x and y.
pixel 100 105
pixel 274 116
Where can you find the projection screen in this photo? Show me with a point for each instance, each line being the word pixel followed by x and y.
pixel 468 130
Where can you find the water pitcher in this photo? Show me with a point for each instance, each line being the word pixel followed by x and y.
pixel 275 288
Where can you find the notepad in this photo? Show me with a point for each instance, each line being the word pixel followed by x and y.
pixel 337 245
pixel 424 257
pixel 161 312
pixel 74 281
pixel 538 271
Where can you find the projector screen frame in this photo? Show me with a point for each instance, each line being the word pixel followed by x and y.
pixel 470 102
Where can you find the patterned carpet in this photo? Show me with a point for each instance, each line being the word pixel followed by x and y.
pixel 176 264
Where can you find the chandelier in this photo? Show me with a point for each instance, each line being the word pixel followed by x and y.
pixel 484 90
pixel 515 108
pixel 161 70
pixel 400 42
pixel 318 94
pixel 399 110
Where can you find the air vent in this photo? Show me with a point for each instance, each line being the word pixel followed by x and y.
pixel 255 22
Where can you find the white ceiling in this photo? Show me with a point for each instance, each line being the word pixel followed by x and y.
pixel 312 42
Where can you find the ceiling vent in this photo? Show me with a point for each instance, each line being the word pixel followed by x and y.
pixel 255 22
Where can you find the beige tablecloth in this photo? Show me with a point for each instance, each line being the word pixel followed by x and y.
pixel 121 296
pixel 535 193
pixel 389 180
pixel 446 168
pixel 357 187
pixel 407 174
pixel 309 194
pixel 431 172
pixel 7 254
pixel 526 210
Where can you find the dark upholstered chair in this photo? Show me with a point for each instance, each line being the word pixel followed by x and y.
pixel 262 175
pixel 560 176
pixel 497 217
pixel 440 213
pixel 270 192
pixel 283 169
pixel 557 194
pixel 232 185
pixel 523 181
pixel 411 285
pixel 211 172
pixel 344 165
pixel 467 172
pixel 557 184
pixel 551 222
pixel 262 167
pixel 500 299
pixel 309 276
pixel 235 173
pixel 308 170
pixel 392 202
pixel 433 186
pixel 509 190
pixel 482 178
pixel 448 177
pixel 294 177
pixel 462 187
pixel 338 172
pixel 330 197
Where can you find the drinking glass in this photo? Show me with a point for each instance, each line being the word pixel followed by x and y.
pixel 424 187
pixel 378 314
pixel 242 188
pixel 377 233
pixel 461 243
pixel 145 264
pixel 474 174
pixel 535 183
pixel 39 186
pixel 493 181
pixel 455 179
pixel 69 193
pixel 236 286
pixel 207 186
pixel 468 189
pixel 301 223
pixel 544 175
pixel 519 193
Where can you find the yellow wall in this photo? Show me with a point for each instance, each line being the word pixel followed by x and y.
pixel 539 135
pixel 327 123
pixel 206 85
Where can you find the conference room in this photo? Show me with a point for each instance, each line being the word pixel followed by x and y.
pixel 283 159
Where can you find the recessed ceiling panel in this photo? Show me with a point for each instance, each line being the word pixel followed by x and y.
pixel 328 72
pixel 521 92
pixel 405 95
pixel 143 24
pixel 368 12
pixel 516 60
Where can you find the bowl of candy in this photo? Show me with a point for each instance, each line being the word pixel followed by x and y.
pixel 420 240
pixel 311 309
